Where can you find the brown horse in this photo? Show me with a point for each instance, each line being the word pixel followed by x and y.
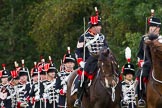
pixel 105 89
pixel 154 86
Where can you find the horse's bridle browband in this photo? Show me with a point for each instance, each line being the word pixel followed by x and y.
pixel 115 75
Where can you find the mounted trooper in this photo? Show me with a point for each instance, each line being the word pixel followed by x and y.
pixel 88 47
pixel 50 94
pixel 143 56
pixel 23 86
pixel 5 102
pixel 69 63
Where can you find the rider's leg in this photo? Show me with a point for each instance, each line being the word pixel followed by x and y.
pixel 80 93
pixel 142 82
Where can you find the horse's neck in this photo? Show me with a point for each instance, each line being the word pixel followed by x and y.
pixel 97 79
pixel 157 68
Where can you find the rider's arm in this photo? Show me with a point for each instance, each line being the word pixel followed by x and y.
pixel 140 53
pixel 79 50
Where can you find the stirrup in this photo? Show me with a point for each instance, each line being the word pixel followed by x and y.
pixel 77 103
pixel 141 103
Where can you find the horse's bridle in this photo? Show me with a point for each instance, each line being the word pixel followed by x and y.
pixel 115 77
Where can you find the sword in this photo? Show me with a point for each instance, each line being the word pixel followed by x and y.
pixel 82 77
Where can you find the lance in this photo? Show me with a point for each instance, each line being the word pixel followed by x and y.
pixel 61 65
pixel 39 88
pixel 148 22
pixel 17 70
pixel 82 77
pixel 53 82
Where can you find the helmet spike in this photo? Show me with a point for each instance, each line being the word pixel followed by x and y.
pixel 68 49
pixel 96 10
pixel 22 61
pixel 152 12
pixel 16 64
pixel 35 64
pixel 50 59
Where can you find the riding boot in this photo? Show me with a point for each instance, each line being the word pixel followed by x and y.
pixel 141 101
pixel 80 94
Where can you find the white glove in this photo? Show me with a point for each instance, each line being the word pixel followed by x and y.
pixel 65 88
pixel 82 64
pixel 142 64
pixel 24 105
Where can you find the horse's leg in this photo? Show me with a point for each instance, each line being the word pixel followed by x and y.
pixel 71 100
pixel 98 105
pixel 159 102
pixel 151 96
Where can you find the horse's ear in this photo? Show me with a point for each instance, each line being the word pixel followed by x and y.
pixel 108 50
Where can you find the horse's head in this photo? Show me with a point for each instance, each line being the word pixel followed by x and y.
pixel 108 67
pixel 155 44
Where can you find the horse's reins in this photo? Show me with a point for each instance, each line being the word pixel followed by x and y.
pixel 113 87
pixel 117 81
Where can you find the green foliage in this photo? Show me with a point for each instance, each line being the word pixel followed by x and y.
pixel 30 28
pixel 58 25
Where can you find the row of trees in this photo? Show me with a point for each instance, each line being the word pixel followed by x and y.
pixel 30 28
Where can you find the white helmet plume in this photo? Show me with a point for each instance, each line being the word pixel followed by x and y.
pixel 128 54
